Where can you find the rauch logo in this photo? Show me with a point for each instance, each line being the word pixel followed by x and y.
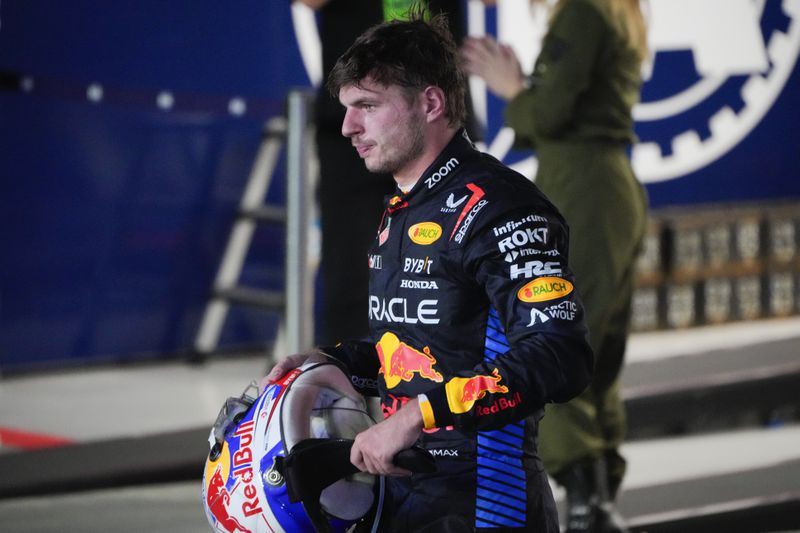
pixel 543 289
pixel 425 233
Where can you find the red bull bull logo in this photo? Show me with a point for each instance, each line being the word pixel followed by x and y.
pixel 228 504
pixel 400 362
pixel 462 393
pixel 218 499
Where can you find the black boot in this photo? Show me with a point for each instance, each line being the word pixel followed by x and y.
pixel 608 518
pixel 589 505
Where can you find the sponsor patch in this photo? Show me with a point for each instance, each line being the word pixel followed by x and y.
pixel 462 393
pixel 511 225
pixel 500 404
pixel 375 261
pixel 522 237
pixel 471 208
pixel 451 205
pixel 425 233
pixel 565 310
pixel 396 311
pixel 443 452
pixel 468 220
pixel 527 252
pixel 537 317
pixel 544 289
pixel 443 171
pixel 384 234
pixel 417 266
pixel 533 269
pixel 418 284
pixel 401 362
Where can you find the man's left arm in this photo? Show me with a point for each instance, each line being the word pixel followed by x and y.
pixel 537 349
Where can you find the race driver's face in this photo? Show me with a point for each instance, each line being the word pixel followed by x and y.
pixel 385 128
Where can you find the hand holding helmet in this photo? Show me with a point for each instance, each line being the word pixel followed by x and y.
pixel 280 462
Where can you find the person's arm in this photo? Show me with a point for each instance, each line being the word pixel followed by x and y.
pixel 495 63
pixel 563 71
pixel 539 349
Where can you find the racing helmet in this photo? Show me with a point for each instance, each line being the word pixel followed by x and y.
pixel 279 461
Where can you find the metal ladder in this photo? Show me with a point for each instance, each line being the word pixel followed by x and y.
pixel 295 302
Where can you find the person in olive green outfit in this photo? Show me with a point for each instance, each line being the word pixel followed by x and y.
pixel 575 111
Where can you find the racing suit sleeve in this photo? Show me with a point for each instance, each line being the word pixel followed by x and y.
pixel 359 360
pixel 563 72
pixel 536 349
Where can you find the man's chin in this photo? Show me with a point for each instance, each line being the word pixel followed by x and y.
pixel 376 168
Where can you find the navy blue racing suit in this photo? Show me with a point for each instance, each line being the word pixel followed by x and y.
pixel 473 309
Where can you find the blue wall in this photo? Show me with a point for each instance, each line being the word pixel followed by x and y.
pixel 114 214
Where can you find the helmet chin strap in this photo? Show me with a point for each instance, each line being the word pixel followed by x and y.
pixel 314 464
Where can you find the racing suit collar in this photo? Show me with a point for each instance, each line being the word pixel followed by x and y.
pixel 454 154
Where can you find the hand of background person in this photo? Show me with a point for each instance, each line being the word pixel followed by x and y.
pixel 375 448
pixel 496 63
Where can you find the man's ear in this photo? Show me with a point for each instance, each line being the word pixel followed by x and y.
pixel 434 103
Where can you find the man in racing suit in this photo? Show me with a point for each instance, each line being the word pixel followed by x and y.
pixel 474 317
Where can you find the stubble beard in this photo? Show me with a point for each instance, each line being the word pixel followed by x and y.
pixel 401 153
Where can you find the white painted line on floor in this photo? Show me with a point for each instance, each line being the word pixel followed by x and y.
pixel 655 345
pixel 662 461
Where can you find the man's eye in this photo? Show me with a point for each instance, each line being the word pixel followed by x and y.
pixel 368 107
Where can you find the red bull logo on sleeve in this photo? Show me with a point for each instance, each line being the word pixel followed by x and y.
pixel 462 393
pixel 400 362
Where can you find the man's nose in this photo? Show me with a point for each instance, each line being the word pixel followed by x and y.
pixel 351 125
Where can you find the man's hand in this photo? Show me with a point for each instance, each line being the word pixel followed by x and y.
pixel 287 364
pixel 374 449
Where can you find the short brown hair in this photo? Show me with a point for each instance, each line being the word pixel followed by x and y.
pixel 412 54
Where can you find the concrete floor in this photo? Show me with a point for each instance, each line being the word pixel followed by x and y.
pixel 87 405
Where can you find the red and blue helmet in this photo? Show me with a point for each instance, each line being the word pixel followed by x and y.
pixel 279 461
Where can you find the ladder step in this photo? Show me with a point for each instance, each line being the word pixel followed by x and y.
pixel 267 213
pixel 273 300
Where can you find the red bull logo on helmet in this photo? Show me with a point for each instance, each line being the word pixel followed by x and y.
pixel 401 362
pixel 230 492
pixel 462 393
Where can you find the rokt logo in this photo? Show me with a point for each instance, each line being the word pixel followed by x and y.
pixel 523 237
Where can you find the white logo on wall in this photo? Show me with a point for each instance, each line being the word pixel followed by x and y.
pixel 724 37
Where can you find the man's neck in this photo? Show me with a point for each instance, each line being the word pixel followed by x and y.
pixel 436 142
